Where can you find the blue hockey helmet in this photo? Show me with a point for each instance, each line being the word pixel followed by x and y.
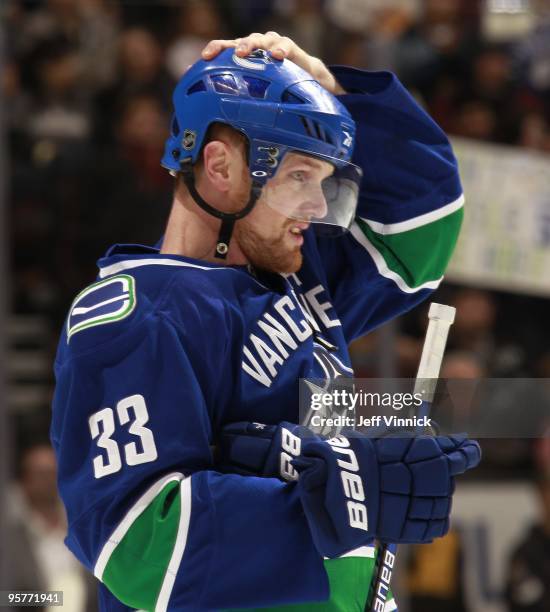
pixel 280 108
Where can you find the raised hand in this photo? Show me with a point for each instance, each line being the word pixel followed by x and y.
pixel 280 47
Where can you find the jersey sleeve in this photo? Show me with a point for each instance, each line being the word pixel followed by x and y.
pixel 147 512
pixel 410 206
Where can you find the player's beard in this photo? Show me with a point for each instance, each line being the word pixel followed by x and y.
pixel 272 253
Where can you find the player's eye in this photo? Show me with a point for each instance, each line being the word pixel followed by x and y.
pixel 298 175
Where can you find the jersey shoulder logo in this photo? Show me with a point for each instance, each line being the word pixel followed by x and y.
pixel 106 301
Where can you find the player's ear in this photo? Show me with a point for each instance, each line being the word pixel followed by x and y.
pixel 216 164
pixel 224 164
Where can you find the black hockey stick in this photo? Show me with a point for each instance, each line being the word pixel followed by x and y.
pixel 441 318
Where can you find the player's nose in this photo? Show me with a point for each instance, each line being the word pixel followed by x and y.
pixel 315 206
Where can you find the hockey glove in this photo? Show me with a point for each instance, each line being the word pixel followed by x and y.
pixel 255 449
pixel 354 489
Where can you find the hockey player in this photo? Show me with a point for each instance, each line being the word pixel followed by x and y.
pixel 249 292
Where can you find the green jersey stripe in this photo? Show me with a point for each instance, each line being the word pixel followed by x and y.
pixel 137 567
pixel 121 529
pixel 349 579
pixel 140 560
pixel 383 269
pixel 425 249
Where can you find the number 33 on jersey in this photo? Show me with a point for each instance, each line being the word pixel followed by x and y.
pixel 104 426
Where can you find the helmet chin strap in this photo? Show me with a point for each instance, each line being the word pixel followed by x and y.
pixel 227 219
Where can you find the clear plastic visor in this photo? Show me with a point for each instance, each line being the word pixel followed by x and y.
pixel 321 191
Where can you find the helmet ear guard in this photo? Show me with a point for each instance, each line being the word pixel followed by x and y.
pixel 275 104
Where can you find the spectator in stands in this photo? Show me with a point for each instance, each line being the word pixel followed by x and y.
pixel 435 49
pixel 37 527
pixel 475 320
pixel 488 408
pixel 89 25
pixel 304 22
pixel 468 401
pixel 198 22
pixel 127 190
pixel 460 376
pixel 392 41
pixel 528 579
pixel 60 111
pixel 475 330
pixel 369 33
pixel 491 84
pixel 532 53
pixel 141 126
pixel 462 365
pixel 16 104
pixel 534 131
pixel 492 74
pixel 475 119
pixel 350 50
pixel 140 70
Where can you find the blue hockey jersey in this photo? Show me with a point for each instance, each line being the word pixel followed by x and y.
pixel 163 350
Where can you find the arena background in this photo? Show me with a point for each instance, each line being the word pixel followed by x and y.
pixel 85 91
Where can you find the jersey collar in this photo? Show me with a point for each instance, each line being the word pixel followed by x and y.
pixel 121 257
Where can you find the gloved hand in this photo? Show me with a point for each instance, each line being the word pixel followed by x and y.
pixel 255 449
pixel 354 489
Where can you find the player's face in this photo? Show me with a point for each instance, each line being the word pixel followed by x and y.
pixel 271 235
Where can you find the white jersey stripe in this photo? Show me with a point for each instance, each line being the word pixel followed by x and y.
pixel 382 266
pixel 137 263
pixel 179 547
pixel 122 528
pixel 410 224
pixel 362 551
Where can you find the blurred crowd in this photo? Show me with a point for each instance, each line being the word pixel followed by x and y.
pixel 87 84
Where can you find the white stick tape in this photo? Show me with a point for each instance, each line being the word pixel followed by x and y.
pixel 441 318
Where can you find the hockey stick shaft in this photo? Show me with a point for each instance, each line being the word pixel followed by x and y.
pixel 441 317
